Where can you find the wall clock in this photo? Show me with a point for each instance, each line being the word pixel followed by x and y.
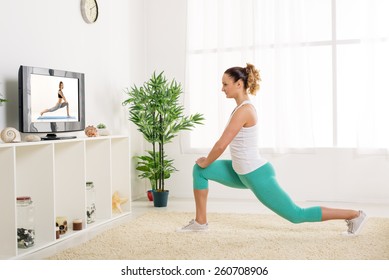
pixel 89 10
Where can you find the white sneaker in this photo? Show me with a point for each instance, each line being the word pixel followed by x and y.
pixel 355 225
pixel 193 226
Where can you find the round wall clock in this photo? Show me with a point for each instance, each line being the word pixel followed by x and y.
pixel 89 10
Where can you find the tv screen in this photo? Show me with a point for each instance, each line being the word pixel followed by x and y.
pixel 51 101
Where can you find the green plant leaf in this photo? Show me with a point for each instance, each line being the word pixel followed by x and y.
pixel 155 109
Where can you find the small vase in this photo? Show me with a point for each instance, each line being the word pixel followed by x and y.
pixel 103 132
pixel 150 195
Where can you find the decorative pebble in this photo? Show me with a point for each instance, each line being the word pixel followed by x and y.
pixel 32 138
pixel 26 237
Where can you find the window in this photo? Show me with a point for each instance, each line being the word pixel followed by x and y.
pixel 322 64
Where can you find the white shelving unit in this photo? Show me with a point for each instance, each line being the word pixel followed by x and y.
pixel 54 174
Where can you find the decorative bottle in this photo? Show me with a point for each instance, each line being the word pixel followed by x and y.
pixel 25 222
pixel 90 202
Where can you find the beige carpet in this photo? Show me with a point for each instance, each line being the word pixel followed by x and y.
pixel 233 237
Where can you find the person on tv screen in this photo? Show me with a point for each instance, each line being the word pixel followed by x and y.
pixel 60 103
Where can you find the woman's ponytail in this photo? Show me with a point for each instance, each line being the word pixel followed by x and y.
pixel 253 79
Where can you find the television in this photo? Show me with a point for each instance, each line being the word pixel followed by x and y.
pixel 51 101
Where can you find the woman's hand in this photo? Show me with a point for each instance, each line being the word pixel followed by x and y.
pixel 202 162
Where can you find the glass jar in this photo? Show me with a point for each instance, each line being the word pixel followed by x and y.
pixel 90 202
pixel 25 222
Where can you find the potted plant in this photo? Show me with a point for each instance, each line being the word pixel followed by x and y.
pixel 155 109
pixel 150 168
pixel 2 100
pixel 102 129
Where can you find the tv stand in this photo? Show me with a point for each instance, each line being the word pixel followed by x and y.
pixel 54 174
pixel 53 136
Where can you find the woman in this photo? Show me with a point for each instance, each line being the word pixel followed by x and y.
pixel 247 169
pixel 60 103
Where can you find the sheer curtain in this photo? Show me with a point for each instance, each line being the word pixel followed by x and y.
pixel 323 65
pixel 227 33
pixel 366 64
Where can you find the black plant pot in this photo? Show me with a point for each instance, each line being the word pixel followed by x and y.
pixel 160 198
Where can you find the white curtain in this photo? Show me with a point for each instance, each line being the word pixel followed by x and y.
pixel 322 63
pixel 227 33
pixel 371 71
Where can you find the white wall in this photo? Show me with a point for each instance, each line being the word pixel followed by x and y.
pixel 324 175
pixel 52 34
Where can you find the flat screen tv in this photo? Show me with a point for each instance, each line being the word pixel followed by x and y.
pixel 51 101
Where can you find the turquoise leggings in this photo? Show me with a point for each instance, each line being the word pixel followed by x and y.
pixel 262 183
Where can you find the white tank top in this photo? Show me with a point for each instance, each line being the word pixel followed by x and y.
pixel 244 148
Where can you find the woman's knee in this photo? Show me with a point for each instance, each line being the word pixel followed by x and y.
pixel 196 170
pixel 199 182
